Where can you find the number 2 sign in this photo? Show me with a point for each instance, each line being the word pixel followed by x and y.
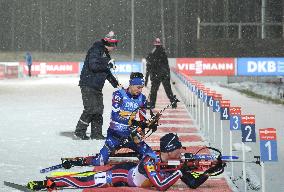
pixel 248 128
pixel 268 144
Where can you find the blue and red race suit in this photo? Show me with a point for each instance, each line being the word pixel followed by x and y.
pixel 125 108
pixel 146 174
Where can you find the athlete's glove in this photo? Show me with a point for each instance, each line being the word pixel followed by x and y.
pixel 154 126
pixel 68 163
pixel 110 64
pixel 141 124
pixel 190 180
pixel 189 156
pixel 185 169
pixel 216 169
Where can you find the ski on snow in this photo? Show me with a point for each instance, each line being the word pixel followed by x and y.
pixel 51 168
pixel 17 186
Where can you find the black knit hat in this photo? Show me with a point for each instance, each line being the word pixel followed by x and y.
pixel 169 142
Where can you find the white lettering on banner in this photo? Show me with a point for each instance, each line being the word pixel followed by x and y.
pixel 252 66
pixel 199 66
pixel 262 66
pixel 267 132
pixel 42 68
pixel 271 66
pixel 124 68
pixel 59 67
pixel 280 67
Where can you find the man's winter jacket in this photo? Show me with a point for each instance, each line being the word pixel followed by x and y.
pixel 157 63
pixel 95 70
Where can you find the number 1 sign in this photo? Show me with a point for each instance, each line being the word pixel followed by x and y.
pixel 268 144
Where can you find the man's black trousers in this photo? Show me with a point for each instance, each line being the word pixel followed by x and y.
pixel 155 84
pixel 92 113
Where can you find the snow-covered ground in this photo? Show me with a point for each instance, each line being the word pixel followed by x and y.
pixel 34 111
pixel 272 90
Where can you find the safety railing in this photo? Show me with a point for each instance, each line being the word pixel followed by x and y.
pixel 223 124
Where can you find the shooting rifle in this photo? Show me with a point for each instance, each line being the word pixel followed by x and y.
pixel 153 121
pixel 138 131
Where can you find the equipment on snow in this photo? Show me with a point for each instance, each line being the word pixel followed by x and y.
pixel 17 186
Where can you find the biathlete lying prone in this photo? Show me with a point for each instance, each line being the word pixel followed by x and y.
pixel 148 172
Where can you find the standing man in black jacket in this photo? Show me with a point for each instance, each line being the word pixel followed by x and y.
pixel 158 69
pixel 95 71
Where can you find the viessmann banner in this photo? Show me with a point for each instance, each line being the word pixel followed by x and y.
pixel 52 68
pixel 260 66
pixel 206 66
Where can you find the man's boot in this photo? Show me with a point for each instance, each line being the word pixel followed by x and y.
pixel 174 101
pixel 81 128
pixel 39 185
pixel 96 127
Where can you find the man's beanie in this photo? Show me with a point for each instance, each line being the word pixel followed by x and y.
pixel 110 39
pixel 136 78
pixel 169 142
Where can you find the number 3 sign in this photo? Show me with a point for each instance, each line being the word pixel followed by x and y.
pixel 248 128
pixel 268 144
pixel 235 118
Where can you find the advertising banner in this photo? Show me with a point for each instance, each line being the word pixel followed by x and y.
pixel 52 68
pixel 123 67
pixel 126 67
pixel 206 66
pixel 2 71
pixel 273 66
pixel 11 72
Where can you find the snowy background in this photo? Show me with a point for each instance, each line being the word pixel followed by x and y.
pixel 35 111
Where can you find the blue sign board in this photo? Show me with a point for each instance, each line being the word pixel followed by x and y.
pixel 268 150
pixel 210 101
pixel 205 98
pixel 200 94
pixel 261 66
pixel 224 113
pixel 248 132
pixel 235 122
pixel 268 144
pixel 216 106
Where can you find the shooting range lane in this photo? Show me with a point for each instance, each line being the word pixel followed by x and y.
pixel 176 121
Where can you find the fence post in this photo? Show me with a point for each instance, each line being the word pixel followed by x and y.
pixel 198 28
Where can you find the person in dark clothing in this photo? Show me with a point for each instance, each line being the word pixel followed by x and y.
pixel 158 69
pixel 29 62
pixel 96 70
